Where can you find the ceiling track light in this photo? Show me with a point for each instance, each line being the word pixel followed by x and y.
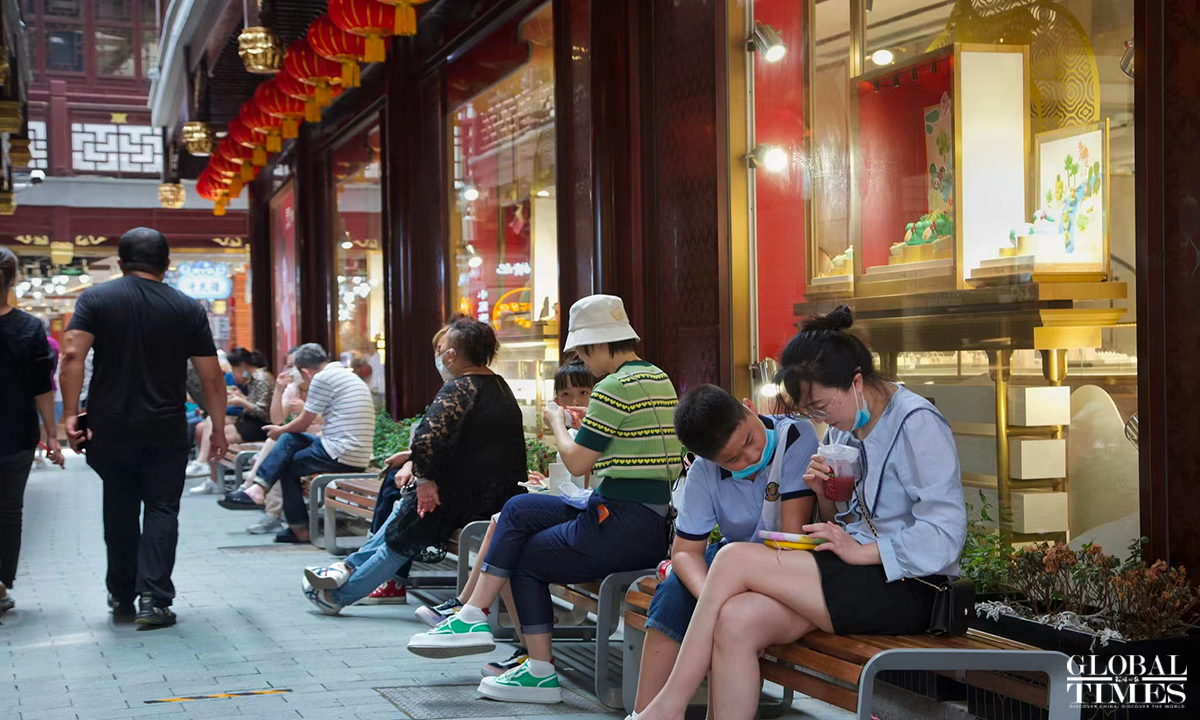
pixel 766 42
pixel 769 157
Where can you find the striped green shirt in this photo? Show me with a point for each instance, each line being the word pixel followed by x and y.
pixel 630 422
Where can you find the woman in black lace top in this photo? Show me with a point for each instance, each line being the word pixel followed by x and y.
pixel 467 458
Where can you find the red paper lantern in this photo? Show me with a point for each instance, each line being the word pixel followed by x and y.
pixel 333 43
pixel 369 19
pixel 265 126
pixel 223 167
pixel 243 135
pixel 237 153
pixel 311 69
pixel 406 16
pixel 295 89
pixel 279 104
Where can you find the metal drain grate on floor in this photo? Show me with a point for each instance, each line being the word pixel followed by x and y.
pixel 442 702
pixel 281 548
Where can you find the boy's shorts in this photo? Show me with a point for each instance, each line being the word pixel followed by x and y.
pixel 673 604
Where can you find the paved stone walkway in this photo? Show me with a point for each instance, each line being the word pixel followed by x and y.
pixel 244 626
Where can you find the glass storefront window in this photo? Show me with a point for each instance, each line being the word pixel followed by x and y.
pixel 64 48
pixel 358 238
pixel 285 266
pixel 503 219
pixel 980 167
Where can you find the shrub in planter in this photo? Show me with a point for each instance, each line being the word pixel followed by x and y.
pixel 390 436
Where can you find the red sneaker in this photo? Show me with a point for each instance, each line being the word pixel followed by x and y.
pixel 389 593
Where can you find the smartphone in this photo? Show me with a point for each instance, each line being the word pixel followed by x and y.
pixel 81 424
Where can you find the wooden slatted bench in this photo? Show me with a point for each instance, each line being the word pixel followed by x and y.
pixel 232 468
pixel 841 670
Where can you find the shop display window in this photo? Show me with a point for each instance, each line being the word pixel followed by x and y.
pixel 285 269
pixel 503 212
pixel 965 176
pixel 358 261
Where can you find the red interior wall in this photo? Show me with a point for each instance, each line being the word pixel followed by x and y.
pixel 780 221
pixel 891 133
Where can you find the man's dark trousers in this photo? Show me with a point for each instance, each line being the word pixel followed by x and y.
pixel 140 559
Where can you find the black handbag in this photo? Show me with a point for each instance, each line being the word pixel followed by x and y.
pixel 954 601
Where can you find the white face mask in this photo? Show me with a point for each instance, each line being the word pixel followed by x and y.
pixel 297 376
pixel 442 369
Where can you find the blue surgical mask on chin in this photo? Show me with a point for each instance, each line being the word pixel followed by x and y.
pixel 863 416
pixel 765 460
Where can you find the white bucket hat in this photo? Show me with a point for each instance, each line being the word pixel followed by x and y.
pixel 599 319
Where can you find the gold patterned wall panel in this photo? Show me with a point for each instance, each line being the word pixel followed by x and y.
pixel 1065 87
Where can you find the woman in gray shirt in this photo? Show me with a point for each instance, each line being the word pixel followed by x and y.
pixel 871 574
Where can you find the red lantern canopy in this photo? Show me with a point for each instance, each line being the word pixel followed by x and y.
pixel 279 104
pixel 223 167
pixel 243 135
pixel 237 153
pixel 311 69
pixel 264 125
pixel 204 185
pixel 366 18
pixel 297 90
pixel 333 43
pixel 406 16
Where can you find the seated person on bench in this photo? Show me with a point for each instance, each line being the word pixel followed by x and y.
pixel 628 441
pixel 467 459
pixel 871 574
pixel 573 384
pixel 749 477
pixel 345 445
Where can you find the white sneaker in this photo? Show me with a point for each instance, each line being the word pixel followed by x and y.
pixel 328 578
pixel 521 685
pixel 197 469
pixel 321 599
pixel 266 525
pixel 208 487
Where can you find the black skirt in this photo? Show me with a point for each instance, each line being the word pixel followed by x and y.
pixel 862 602
pixel 251 429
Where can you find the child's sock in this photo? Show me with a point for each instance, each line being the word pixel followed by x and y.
pixel 472 614
pixel 541 668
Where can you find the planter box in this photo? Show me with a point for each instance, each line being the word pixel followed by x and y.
pixel 1072 642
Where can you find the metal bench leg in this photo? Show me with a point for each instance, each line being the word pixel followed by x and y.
pixel 608 616
pixel 631 665
pixel 1054 664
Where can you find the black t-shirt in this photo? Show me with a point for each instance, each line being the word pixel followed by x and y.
pixel 144 333
pixel 26 369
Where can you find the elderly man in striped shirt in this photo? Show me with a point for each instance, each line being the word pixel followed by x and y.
pixel 345 445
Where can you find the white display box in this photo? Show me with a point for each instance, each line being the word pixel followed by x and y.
pixel 1039 511
pixel 1039 406
pixel 1037 459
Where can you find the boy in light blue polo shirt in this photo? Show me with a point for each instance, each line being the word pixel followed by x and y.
pixel 748 476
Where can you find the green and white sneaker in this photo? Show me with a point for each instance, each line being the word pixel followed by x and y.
pixel 521 685
pixel 453 637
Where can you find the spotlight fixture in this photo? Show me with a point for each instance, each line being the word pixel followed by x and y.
pixel 470 193
pixel 347 245
pixel 883 57
pixel 543 193
pixel 770 157
pixel 476 259
pixel 765 41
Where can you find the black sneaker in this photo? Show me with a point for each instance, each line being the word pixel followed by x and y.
pixel 122 610
pixel 493 669
pixel 153 614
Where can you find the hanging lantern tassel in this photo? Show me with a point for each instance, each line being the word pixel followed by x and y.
pixel 260 156
pixel 219 209
pixel 312 112
pixel 247 172
pixel 235 187
pixel 351 75
pixel 291 128
pixel 324 96
pixel 406 18
pixel 376 49
pixel 274 144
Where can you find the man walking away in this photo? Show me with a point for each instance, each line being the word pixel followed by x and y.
pixel 143 332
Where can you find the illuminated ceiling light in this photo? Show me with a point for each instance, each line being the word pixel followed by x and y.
pixel 36 281
pixel 60 279
pixel 85 279
pixel 475 261
pixel 769 390
pixel 766 42
pixel 470 193
pixel 543 193
pixel 883 57
pixel 347 245
pixel 38 296
pixel 770 157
